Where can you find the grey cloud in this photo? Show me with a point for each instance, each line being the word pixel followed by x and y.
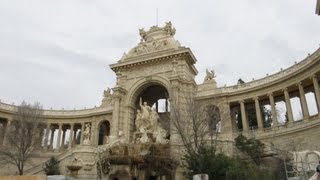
pixel 58 52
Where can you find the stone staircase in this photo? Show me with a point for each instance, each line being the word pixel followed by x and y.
pixel 38 168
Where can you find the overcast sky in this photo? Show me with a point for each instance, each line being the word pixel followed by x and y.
pixel 58 52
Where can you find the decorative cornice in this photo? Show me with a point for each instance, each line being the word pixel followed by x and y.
pixel 156 57
pixel 46 112
pixel 311 59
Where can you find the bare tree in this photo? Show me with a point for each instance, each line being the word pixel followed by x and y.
pixel 23 136
pixel 194 122
pixel 196 125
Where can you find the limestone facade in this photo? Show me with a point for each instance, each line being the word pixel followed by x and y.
pixel 159 70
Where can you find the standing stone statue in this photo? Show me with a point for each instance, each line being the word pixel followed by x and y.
pixel 86 134
pixel 145 110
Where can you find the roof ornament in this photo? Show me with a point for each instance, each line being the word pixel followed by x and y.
pixel 107 98
pixel 143 34
pixel 240 81
pixel 152 40
pixel 171 30
pixel 210 75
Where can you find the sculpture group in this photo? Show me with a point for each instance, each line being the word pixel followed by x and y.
pixel 147 122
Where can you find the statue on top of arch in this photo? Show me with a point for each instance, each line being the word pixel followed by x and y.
pixel 147 122
pixel 107 98
pixel 210 75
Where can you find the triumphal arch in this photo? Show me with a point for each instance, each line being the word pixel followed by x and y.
pixel 131 135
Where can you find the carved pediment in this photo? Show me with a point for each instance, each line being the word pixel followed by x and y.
pixel 156 39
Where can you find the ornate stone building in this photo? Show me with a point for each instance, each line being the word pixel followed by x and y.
pixel 130 134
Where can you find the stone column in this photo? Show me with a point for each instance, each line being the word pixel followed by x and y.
pixel 174 104
pixel 303 101
pixel 167 105
pixel 6 132
pixel 47 137
pixel 245 126
pixel 52 137
pixel 81 135
pixel 59 137
pixel 93 131
pixel 63 137
pixel 273 110
pixel 115 116
pixel 71 136
pixel 288 105
pixel 258 112
pixel 226 122
pixel 316 91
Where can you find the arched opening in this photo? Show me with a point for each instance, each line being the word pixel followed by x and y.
pixel 104 132
pixel 296 108
pixel 156 96
pixel 281 110
pixel 311 103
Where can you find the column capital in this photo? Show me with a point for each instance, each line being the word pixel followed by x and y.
pixel 118 92
pixel 299 83
pixel 241 101
pixel 313 76
pixel 285 89
pixel 270 94
pixel 9 120
pixel 255 98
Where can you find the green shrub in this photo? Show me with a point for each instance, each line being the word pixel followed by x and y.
pixel 52 167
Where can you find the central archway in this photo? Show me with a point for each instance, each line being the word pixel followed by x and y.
pixel 156 95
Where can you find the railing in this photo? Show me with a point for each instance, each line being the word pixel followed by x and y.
pixel 39 168
pixel 49 112
pixel 273 77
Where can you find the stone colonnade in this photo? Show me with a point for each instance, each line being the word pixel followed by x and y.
pixel 240 112
pixel 62 128
pixel 59 136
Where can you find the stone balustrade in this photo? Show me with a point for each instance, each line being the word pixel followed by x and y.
pixel 53 112
pixel 274 77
